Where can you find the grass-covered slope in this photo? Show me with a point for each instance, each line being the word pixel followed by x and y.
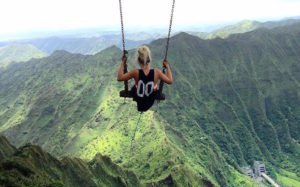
pixel 242 91
pixel 249 83
pixel 69 105
pixel 54 96
pixel 29 165
pixel 18 53
pixel 233 101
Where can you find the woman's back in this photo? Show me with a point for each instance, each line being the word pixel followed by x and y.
pixel 144 92
pixel 146 79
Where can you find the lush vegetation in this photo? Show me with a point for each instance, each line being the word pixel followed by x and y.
pixel 286 178
pixel 29 165
pixel 233 101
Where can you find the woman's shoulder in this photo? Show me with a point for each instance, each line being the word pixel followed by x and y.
pixel 157 70
pixel 135 70
pixel 134 73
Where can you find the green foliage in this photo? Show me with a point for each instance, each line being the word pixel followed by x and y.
pixel 237 179
pixel 289 179
pixel 31 166
pixel 56 184
pixel 233 101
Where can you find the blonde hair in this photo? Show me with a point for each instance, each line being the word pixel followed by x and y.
pixel 143 55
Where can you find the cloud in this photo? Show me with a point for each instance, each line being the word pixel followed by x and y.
pixel 21 16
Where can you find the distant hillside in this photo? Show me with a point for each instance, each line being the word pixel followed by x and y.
pixel 82 45
pixel 88 45
pixel 18 53
pixel 242 27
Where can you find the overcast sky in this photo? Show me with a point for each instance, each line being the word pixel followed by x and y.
pixel 18 16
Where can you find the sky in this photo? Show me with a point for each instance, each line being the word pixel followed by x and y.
pixel 17 16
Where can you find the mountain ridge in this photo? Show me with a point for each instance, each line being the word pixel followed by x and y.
pixel 42 168
pixel 32 166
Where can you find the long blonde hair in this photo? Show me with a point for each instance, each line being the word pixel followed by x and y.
pixel 143 55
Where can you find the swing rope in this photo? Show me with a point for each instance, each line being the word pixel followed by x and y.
pixel 170 29
pixel 132 138
pixel 125 93
pixel 124 49
pixel 161 83
pixel 122 26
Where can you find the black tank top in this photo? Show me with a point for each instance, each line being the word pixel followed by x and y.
pixel 144 93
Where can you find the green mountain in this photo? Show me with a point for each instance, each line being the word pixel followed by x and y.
pixel 85 90
pixel 233 101
pixel 18 53
pixel 242 27
pixel 29 165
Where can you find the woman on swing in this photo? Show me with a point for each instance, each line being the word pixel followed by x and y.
pixel 146 79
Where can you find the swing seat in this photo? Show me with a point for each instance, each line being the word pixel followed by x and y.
pixel 128 94
pixel 160 97
pixel 125 93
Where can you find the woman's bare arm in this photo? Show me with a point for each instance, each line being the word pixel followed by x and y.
pixel 166 78
pixel 125 76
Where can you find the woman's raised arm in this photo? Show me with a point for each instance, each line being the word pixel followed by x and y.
pixel 166 78
pixel 125 76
